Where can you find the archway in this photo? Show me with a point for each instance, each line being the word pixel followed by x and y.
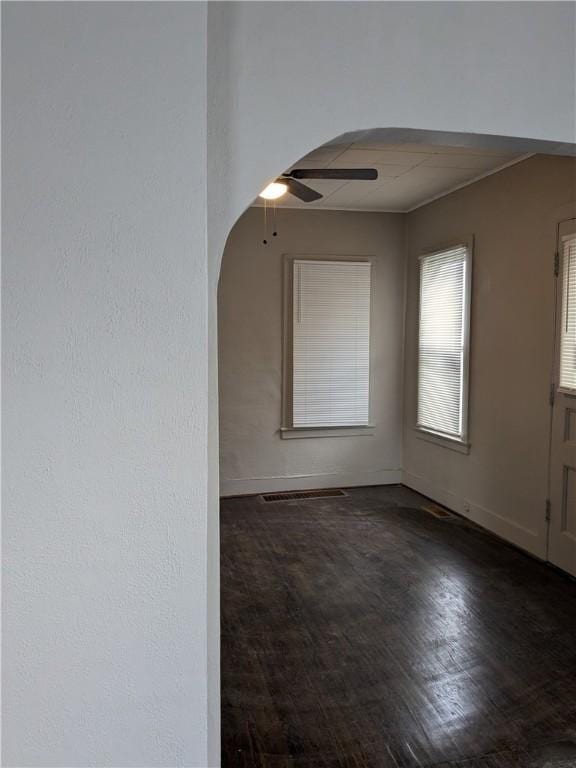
pixel 263 114
pixel 518 147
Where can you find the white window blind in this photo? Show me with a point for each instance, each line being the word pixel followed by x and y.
pixel 442 340
pixel 568 318
pixel 331 343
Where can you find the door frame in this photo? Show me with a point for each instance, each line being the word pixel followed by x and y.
pixel 564 227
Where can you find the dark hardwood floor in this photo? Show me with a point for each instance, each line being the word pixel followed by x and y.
pixel 362 632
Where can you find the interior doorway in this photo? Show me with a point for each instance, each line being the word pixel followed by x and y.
pixel 562 509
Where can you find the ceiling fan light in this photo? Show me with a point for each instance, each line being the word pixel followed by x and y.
pixel 274 190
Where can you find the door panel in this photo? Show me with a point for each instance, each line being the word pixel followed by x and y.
pixel 562 539
pixel 571 424
pixel 569 501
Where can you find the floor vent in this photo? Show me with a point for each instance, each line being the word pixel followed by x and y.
pixel 437 511
pixel 295 495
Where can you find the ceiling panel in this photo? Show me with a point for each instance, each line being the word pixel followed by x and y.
pixel 405 192
pixel 320 157
pixel 356 194
pixel 385 157
pixel 479 162
pixel 438 149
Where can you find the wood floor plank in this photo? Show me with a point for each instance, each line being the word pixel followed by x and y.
pixel 363 632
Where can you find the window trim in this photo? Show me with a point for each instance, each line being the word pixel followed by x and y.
pixel 293 433
pixel 287 429
pixel 457 443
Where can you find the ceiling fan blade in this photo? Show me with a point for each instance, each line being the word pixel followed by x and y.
pixel 348 174
pixel 301 191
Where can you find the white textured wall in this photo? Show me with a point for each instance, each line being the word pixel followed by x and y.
pixel 254 458
pixel 502 483
pixel 105 395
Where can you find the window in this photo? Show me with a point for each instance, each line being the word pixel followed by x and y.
pixel 568 317
pixel 443 342
pixel 330 360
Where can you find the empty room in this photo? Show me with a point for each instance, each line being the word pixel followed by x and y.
pixel 397 366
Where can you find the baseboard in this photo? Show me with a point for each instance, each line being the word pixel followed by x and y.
pixel 254 485
pixel 516 534
pixel 522 537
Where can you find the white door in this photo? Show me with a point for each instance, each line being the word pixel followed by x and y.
pixel 562 541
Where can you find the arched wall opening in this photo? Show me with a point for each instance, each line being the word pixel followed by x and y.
pixel 263 114
pixel 492 206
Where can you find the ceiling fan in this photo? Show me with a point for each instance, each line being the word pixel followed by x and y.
pixel 290 181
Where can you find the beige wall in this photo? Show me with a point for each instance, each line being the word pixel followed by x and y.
pixel 254 458
pixel 502 483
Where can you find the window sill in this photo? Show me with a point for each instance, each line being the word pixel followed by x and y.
pixel 295 433
pixel 442 440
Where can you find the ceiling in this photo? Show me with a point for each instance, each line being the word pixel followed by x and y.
pixel 409 175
